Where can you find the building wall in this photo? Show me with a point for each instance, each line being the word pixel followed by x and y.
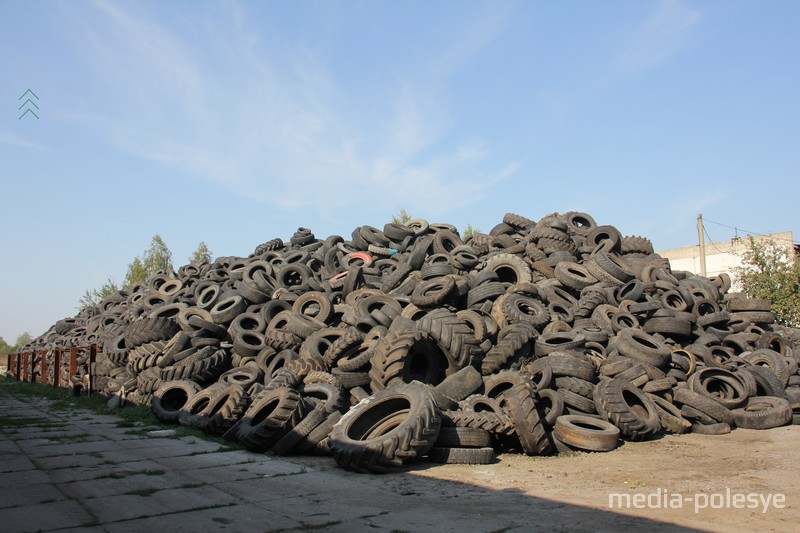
pixel 720 256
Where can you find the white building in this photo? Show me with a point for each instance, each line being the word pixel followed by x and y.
pixel 722 256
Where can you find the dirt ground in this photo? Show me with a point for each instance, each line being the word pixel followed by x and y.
pixel 693 467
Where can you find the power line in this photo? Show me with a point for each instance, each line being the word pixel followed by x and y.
pixel 751 232
pixel 712 242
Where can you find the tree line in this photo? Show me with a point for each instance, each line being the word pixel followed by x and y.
pixel 157 257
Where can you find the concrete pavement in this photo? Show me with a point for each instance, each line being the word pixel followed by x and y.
pixel 80 471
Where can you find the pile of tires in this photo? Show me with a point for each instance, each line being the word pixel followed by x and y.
pixel 411 343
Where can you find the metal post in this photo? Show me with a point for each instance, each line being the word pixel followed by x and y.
pixel 701 234
pixel 92 359
pixel 73 364
pixel 57 368
pixel 43 377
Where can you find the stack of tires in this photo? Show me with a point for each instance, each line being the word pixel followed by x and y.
pixel 411 343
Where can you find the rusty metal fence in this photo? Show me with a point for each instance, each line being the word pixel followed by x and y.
pixel 37 367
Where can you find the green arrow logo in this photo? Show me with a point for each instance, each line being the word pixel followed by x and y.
pixel 27 104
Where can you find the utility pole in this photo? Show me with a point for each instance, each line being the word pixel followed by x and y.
pixel 700 234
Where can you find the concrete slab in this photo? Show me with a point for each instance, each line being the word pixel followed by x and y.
pixel 261 467
pixel 205 460
pixel 30 494
pixel 16 463
pixel 68 448
pixel 8 446
pixel 269 489
pixel 68 461
pixel 169 448
pixel 23 477
pixel 66 475
pixel 188 498
pixel 116 486
pixel 124 507
pixel 46 516
pixel 239 518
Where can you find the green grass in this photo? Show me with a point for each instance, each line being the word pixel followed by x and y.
pixel 69 438
pixel 60 400
pixel 12 422
pixel 122 475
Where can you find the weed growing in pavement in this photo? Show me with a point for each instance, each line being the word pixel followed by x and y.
pixel 128 473
pixel 11 422
pixel 309 527
pixel 82 437
pixel 141 492
pixel 116 475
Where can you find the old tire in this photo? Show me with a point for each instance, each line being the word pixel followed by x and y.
pixel 386 429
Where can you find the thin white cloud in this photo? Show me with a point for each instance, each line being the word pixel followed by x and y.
pixel 277 126
pixel 13 140
pixel 666 32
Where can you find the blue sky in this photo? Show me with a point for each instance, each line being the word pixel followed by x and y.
pixel 236 122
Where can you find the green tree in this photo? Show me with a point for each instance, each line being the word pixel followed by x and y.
pixel 401 218
pixel 5 348
pixel 95 296
pixel 156 257
pixel 201 255
pixel 772 271
pixel 22 340
pixel 469 231
pixel 136 272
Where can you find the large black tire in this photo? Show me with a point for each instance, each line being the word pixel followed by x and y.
pixel 670 415
pixel 386 429
pixel 462 456
pixel 204 369
pixel 349 340
pixel 516 342
pixel 461 437
pixel 170 397
pixel 243 375
pixel 764 412
pixel 149 330
pixel 191 414
pixel 721 385
pixel 772 360
pixel 454 337
pixel 636 344
pixel 533 421
pixel 270 416
pixel 495 423
pixel 628 408
pixel 461 384
pixel 225 409
pixel 586 433
pixel 767 382
pixel 433 292
pixel 566 365
pixel 405 356
pixel 299 432
pixel 522 308
pixel 704 404
pixel 559 341
pixel 509 268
